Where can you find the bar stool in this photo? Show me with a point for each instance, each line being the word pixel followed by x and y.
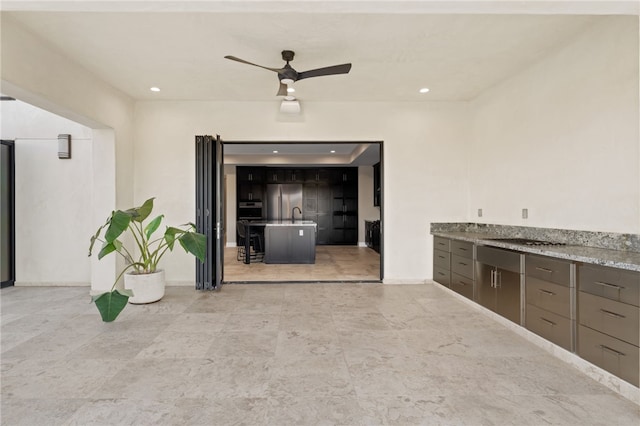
pixel 256 244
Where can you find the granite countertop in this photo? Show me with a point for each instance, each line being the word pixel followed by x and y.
pixel 286 223
pixel 600 256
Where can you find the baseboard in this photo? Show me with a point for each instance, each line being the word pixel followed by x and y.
pixel 391 281
pixel 361 244
pixel 51 284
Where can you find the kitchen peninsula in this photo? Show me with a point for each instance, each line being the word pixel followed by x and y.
pixel 286 241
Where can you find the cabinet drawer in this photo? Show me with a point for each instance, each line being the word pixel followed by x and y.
pixel 462 266
pixel 612 283
pixel 443 244
pixel 548 296
pixel 610 317
pixel 551 326
pixel 462 285
pixel 442 276
pixel 462 248
pixel 441 259
pixel 545 268
pixel 609 353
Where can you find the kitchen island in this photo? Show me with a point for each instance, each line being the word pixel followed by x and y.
pixel 287 241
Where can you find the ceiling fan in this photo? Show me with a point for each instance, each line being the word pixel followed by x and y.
pixel 287 75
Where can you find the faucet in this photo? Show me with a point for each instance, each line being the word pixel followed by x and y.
pixel 293 211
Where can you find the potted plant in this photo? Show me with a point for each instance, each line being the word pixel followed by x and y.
pixel 144 283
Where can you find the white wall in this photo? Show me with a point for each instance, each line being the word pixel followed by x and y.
pixel 36 73
pixel 561 138
pixel 53 196
pixel 421 142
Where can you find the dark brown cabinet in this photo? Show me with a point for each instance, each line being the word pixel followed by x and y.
pixel 608 318
pixel 548 299
pixel 344 190
pixel 329 196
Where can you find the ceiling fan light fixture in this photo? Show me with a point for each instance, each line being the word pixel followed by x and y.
pixel 290 89
pixel 286 81
pixel 289 98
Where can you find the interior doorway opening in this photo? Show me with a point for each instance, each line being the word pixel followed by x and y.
pixel 349 232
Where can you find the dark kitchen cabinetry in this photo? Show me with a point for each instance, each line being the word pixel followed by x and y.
pixel 498 280
pixel 442 261
pixel 462 279
pixel 279 175
pixel 250 183
pixel 344 191
pixel 372 234
pixel 316 206
pixel 608 317
pixel 330 196
pixel 548 310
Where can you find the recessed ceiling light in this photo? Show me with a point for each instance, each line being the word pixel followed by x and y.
pixel 290 89
pixel 155 89
pixel 275 151
pixel 424 90
pixel 333 151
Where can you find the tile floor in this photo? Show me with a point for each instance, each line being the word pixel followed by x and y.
pixel 278 354
pixel 347 263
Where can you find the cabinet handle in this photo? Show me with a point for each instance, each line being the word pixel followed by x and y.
pixel 551 323
pixel 462 283
pixel 440 273
pixel 617 287
pixel 611 314
pixel 461 263
pixel 462 249
pixel 441 257
pixel 613 351
pixel 544 269
pixel 548 293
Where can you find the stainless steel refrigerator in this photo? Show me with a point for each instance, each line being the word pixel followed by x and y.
pixel 282 199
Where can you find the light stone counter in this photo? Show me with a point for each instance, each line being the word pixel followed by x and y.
pixel 624 259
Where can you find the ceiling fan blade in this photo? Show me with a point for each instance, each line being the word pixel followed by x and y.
pixel 282 91
pixel 233 58
pixel 336 69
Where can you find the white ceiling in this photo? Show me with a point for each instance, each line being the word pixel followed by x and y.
pixel 393 54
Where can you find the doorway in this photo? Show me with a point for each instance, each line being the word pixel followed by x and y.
pixel 357 261
pixel 7 213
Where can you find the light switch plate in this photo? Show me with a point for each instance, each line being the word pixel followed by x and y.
pixel 479 212
pixel 301 232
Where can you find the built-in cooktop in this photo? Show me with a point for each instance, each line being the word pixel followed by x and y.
pixel 528 242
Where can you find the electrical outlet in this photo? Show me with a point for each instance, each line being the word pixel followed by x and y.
pixel 479 212
pixel 525 213
pixel 301 232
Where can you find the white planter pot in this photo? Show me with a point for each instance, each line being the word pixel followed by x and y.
pixel 147 288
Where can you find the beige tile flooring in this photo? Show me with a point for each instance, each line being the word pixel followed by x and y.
pixel 284 354
pixel 333 263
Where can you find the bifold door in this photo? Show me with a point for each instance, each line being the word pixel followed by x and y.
pixel 209 210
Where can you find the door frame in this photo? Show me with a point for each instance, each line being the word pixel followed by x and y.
pixel 380 143
pixel 12 214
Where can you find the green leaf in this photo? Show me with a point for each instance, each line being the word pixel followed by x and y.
pixel 152 226
pixel 94 238
pixel 196 244
pixel 139 214
pixel 170 236
pixel 110 304
pixel 106 249
pixel 118 224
